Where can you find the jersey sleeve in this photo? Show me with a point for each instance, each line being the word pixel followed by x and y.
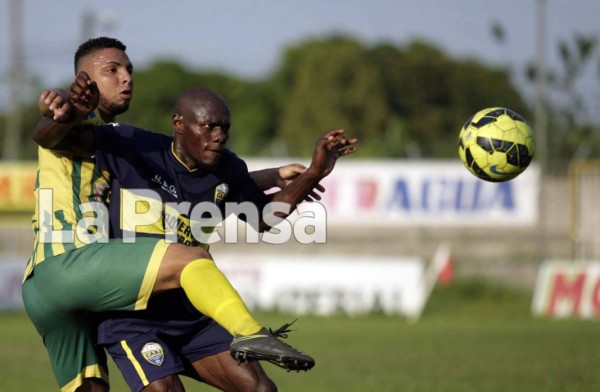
pixel 246 188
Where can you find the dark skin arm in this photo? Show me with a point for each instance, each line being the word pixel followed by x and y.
pixel 328 149
pixel 282 176
pixel 62 115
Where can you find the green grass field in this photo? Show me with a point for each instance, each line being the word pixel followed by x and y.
pixel 472 337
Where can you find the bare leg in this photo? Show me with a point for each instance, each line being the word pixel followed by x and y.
pixel 92 385
pixel 222 372
pixel 170 383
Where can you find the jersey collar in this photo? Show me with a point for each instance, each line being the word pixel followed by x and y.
pixel 181 163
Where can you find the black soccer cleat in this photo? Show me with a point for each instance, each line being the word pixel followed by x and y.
pixel 264 345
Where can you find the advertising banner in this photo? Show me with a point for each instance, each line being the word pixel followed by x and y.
pixel 417 193
pixel 16 186
pixel 328 285
pixel 568 289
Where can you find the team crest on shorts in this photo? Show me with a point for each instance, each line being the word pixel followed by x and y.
pixel 221 192
pixel 153 353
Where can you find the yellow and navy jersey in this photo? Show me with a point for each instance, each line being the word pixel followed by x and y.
pixel 63 184
pixel 153 193
pixel 152 190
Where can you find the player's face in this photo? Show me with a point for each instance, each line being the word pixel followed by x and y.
pixel 204 136
pixel 112 71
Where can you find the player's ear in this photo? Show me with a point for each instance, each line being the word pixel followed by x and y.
pixel 177 123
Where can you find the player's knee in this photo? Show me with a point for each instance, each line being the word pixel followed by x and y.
pixel 176 258
pixel 265 384
pixel 182 255
pixel 259 383
pixel 92 385
pixel 167 384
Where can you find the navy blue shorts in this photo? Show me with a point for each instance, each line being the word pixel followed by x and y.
pixel 164 340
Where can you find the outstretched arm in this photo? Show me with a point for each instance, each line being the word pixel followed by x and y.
pixel 280 177
pixel 61 117
pixel 328 149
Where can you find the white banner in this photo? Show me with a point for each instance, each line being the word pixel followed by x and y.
pixel 327 285
pixel 567 289
pixel 300 285
pixel 432 193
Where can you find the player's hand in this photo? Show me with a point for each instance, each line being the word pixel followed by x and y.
pixel 328 149
pixel 54 103
pixel 289 173
pixel 84 95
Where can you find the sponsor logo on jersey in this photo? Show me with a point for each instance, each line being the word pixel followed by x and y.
pixel 153 353
pixel 221 192
pixel 165 186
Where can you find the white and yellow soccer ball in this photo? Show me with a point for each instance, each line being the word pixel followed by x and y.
pixel 496 144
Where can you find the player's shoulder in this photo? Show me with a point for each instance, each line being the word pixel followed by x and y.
pixel 135 134
pixel 93 119
pixel 230 161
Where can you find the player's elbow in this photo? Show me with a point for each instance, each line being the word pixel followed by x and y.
pixel 42 140
pixel 42 134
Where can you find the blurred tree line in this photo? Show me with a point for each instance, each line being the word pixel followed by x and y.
pixel 402 102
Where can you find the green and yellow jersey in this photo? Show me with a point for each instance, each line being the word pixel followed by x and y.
pixel 63 184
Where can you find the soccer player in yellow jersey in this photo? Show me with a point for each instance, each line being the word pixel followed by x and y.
pixel 70 276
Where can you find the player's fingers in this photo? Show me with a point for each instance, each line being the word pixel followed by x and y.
pixel 315 196
pixel 62 106
pixel 79 94
pixel 61 112
pixel 293 173
pixel 44 95
pixel 336 132
pixel 76 89
pixel 81 85
pixel 348 151
pixel 297 168
pixel 332 135
pixel 57 102
pixel 346 144
pixel 83 77
pixel 51 96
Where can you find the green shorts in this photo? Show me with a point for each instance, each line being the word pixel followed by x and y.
pixel 64 291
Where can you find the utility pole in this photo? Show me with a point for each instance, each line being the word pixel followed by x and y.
pixel 12 138
pixel 541 119
pixel 541 123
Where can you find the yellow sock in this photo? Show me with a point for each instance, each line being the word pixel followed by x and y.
pixel 211 293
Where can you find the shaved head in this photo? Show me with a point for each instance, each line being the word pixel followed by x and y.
pixel 199 102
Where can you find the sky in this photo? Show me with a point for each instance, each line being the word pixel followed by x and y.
pixel 247 37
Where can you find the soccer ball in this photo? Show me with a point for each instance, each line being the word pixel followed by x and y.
pixel 496 144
